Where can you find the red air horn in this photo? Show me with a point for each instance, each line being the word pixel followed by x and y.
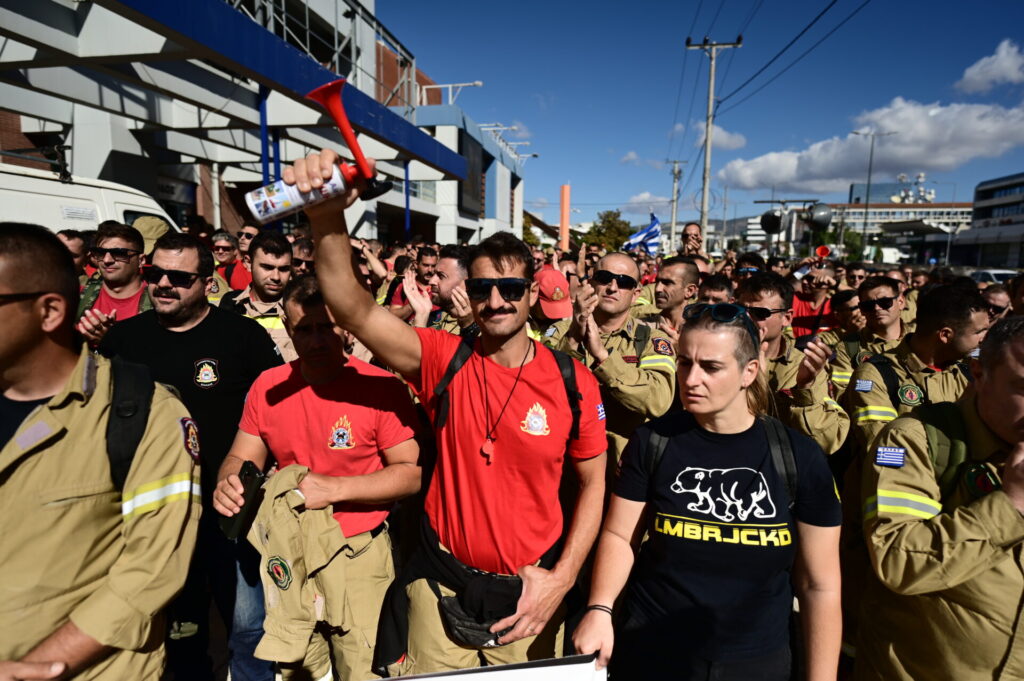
pixel 823 251
pixel 329 97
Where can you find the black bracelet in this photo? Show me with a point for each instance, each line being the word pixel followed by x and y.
pixel 602 608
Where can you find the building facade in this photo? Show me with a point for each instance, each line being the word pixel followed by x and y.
pixel 996 237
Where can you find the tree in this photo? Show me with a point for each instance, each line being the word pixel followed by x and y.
pixel 609 230
pixel 529 236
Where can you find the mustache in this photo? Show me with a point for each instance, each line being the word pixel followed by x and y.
pixel 167 293
pixel 489 312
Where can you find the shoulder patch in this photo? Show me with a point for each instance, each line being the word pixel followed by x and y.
pixel 662 347
pixel 190 435
pixel 863 385
pixel 280 572
pixel 600 411
pixel 910 395
pixel 892 457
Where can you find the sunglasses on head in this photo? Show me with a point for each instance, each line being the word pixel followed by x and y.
pixel 870 305
pixel 623 281
pixel 511 289
pixel 748 270
pixel 178 278
pixel 725 313
pixel 118 254
pixel 760 314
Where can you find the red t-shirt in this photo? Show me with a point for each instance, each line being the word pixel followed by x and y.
pixel 503 514
pixel 398 298
pixel 804 316
pixel 340 428
pixel 125 307
pixel 240 277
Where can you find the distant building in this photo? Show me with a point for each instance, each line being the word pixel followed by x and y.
pixel 995 237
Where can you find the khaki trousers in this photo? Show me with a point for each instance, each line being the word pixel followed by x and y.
pixel 348 655
pixel 431 650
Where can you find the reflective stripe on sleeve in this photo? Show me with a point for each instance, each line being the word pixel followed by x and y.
pixel 874 414
pixel 658 362
pixel 832 403
pixel 888 501
pixel 842 377
pixel 154 495
pixel 269 322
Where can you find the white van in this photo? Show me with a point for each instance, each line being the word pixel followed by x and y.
pixel 38 197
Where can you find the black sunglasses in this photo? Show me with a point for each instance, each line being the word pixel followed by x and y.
pixel 245 235
pixel 725 313
pixel 869 305
pixel 623 281
pixel 16 297
pixel 178 278
pixel 760 314
pixel 748 270
pixel 299 262
pixel 118 254
pixel 511 289
pixel 996 310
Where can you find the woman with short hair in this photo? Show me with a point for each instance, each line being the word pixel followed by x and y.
pixel 711 592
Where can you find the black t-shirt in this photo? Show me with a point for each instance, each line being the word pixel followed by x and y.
pixel 714 576
pixel 212 365
pixel 12 413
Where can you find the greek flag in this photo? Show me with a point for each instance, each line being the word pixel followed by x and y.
pixel 647 238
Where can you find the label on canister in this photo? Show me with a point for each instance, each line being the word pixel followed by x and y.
pixel 278 200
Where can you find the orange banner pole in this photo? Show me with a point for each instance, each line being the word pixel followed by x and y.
pixel 563 225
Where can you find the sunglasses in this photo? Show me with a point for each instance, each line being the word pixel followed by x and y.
pixel 511 289
pixel 299 262
pixel 246 235
pixel 726 313
pixel 870 305
pixel 224 248
pixel 118 254
pixel 748 270
pixel 16 297
pixel 178 278
pixel 623 281
pixel 760 314
pixel 857 277
pixel 996 310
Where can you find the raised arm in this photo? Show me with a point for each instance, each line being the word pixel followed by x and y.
pixel 353 308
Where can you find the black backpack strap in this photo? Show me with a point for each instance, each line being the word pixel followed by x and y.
pixel 461 356
pixel 567 368
pixel 852 343
pixel 889 377
pixel 129 414
pixel 641 335
pixel 781 448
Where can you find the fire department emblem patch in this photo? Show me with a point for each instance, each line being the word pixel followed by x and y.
pixel 190 434
pixel 341 435
pixel 910 395
pixel 280 572
pixel 207 374
pixel 536 421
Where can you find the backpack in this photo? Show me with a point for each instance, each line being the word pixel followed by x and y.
pixel 892 381
pixel 129 414
pixel 779 444
pixel 852 345
pixel 566 368
pixel 642 334
pixel 946 432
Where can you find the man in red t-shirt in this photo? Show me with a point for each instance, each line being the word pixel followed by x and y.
pixel 426 264
pixel 812 309
pixel 492 504
pixel 117 291
pixel 351 425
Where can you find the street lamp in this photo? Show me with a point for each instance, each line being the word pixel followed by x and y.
pixel 867 192
pixel 946 182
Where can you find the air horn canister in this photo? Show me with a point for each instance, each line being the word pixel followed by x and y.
pixel 277 200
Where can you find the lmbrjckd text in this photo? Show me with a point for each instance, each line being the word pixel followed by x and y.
pixel 746 535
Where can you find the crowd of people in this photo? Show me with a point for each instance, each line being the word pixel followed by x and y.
pixel 378 460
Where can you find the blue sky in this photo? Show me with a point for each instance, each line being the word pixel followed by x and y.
pixel 594 87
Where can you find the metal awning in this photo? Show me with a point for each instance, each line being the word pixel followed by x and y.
pixel 196 78
pixel 916 227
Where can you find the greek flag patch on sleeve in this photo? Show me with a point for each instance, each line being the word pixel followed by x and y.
pixel 863 385
pixel 893 457
pixel 600 411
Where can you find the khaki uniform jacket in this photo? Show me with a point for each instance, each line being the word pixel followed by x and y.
pixel 72 547
pixel 948 607
pixel 842 365
pixel 634 389
pixel 304 560
pixel 810 411
pixel 268 315
pixel 870 407
pixel 909 314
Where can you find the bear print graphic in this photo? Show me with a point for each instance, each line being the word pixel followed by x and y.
pixel 726 493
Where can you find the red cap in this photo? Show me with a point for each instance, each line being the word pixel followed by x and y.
pixel 554 294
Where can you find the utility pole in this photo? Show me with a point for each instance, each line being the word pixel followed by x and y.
pixel 867 192
pixel 710 49
pixel 676 174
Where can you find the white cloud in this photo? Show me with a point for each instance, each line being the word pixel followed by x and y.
pixel 522 132
pixel 677 129
pixel 720 138
pixel 1005 66
pixel 930 137
pixel 538 204
pixel 631 157
pixel 644 202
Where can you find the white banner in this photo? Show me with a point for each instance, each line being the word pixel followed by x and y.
pixel 575 668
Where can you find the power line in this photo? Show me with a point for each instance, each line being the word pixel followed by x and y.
pixel 742 29
pixel 795 61
pixel 679 90
pixel 721 4
pixel 782 51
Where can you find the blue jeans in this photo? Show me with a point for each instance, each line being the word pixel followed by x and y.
pixel 228 573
